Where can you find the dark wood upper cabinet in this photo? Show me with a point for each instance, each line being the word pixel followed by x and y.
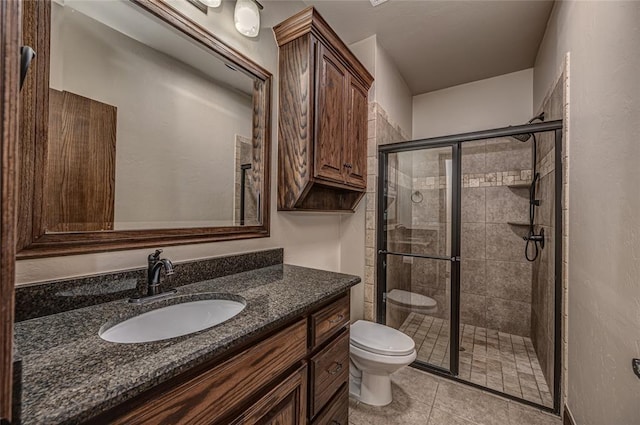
pixel 332 98
pixel 356 153
pixel 322 127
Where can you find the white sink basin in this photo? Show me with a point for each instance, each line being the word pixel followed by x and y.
pixel 172 321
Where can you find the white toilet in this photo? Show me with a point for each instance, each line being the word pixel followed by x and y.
pixel 411 302
pixel 376 352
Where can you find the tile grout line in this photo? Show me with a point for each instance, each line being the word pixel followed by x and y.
pixel 504 351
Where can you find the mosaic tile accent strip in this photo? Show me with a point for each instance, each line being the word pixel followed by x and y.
pixel 497 360
pixel 500 178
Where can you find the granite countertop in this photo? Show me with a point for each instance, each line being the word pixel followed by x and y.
pixel 70 374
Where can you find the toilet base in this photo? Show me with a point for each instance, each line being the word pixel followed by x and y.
pixel 374 390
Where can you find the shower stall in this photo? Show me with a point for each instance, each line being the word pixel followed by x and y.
pixel 469 256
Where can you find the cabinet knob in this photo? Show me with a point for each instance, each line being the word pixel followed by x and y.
pixel 335 370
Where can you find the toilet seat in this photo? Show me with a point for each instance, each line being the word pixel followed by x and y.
pixel 380 339
pixel 410 300
pixel 393 361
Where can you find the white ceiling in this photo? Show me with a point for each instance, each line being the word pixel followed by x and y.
pixel 439 44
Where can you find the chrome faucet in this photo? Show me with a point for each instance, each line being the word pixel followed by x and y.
pixel 156 264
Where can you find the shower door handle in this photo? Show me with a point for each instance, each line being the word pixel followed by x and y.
pixel 427 257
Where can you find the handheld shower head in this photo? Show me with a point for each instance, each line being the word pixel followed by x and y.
pixel 537 117
pixel 522 137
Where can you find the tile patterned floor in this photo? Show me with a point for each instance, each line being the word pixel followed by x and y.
pixel 420 398
pixel 497 360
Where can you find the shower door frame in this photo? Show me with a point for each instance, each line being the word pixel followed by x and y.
pixel 455 142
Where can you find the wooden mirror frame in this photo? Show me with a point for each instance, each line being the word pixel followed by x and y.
pixel 32 239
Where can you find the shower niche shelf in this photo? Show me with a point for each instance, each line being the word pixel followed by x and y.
pixel 516 223
pixel 519 185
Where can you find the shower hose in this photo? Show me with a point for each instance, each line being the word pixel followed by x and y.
pixel 531 237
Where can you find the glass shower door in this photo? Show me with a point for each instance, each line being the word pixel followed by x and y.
pixel 416 215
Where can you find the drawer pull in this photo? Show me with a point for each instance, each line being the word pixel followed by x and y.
pixel 339 319
pixel 335 370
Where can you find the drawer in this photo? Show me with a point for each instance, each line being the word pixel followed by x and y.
pixel 329 371
pixel 213 394
pixel 329 320
pixel 337 412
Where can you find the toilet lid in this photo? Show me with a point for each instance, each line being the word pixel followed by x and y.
pixel 411 300
pixel 380 339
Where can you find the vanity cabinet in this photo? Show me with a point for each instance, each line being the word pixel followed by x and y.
pixel 322 127
pixel 284 405
pixel 295 375
pixel 328 360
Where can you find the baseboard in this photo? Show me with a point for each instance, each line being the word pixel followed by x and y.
pixel 567 417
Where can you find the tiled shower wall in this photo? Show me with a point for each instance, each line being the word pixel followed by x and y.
pixel 380 131
pixel 244 155
pixel 496 278
pixel 495 275
pixel 543 296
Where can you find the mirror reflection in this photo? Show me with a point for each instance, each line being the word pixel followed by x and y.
pixel 147 128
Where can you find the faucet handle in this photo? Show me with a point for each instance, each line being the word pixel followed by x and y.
pixel 153 258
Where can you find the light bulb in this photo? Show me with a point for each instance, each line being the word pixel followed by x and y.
pixel 211 3
pixel 247 18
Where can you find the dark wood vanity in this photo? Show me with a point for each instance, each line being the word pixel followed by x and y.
pixel 322 126
pixel 296 374
pixel 294 370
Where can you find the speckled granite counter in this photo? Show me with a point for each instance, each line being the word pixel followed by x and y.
pixel 70 374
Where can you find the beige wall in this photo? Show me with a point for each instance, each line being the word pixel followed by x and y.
pixel 481 105
pixel 308 239
pixel 604 289
pixel 391 91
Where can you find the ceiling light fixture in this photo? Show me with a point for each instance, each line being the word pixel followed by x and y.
pixel 247 17
pixel 375 3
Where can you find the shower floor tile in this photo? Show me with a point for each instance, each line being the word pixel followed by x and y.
pixel 497 360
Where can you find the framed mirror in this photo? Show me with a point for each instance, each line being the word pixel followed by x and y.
pixel 139 128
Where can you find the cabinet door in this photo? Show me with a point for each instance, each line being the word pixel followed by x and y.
pixel 283 405
pixel 330 117
pixel 356 143
pixel 9 77
pixel 215 393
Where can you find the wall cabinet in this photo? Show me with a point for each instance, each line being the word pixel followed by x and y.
pixel 322 127
pixel 296 375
